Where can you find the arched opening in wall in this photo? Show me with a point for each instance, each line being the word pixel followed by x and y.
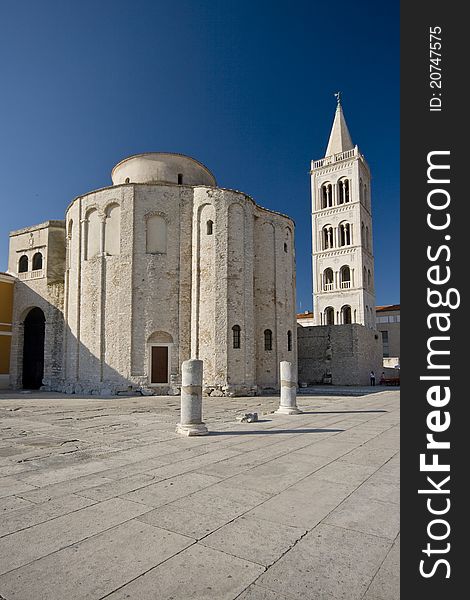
pixel 367 238
pixel 159 344
pixel 366 198
pixel 369 279
pixel 210 227
pixel 346 315
pixel 268 340
pixel 343 191
pixel 180 178
pixel 327 237
pixel 365 278
pixel 23 264
pixel 37 262
pixel 92 233
pixel 156 235
pixel 345 234
pixel 127 180
pixel 361 191
pixel 326 195
pixel 289 341
pixel 33 349
pixel 345 275
pixel 112 233
pixel 236 335
pixel 328 280
pixel 329 316
pixel 285 247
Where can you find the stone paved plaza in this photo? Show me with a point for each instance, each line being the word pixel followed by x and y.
pixel 99 498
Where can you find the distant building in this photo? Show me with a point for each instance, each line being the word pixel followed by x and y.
pixel 388 325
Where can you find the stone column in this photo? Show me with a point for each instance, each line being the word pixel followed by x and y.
pixel 191 399
pixel 288 405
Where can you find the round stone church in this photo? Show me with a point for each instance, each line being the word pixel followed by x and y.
pixel 160 267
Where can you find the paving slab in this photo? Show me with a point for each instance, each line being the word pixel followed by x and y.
pixel 242 538
pixel 166 491
pixel 257 592
pixel 193 524
pixel 360 513
pixel 223 500
pixel 30 544
pixel 386 583
pixel 118 487
pixel 96 567
pixel 39 513
pixel 198 573
pixel 48 492
pixel 328 561
pixel 13 503
pixel 302 505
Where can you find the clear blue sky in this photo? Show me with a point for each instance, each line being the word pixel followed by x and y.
pixel 246 87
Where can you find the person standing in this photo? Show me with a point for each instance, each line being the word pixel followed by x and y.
pixel 372 378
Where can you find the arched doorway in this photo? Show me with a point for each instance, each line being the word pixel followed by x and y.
pixel 33 349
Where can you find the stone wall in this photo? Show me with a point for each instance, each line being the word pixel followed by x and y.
pixel 355 351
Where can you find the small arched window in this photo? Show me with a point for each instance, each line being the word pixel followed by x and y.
pixel 346 314
pixel 328 237
pixel 328 280
pixel 268 340
pixel 329 316
pixel 23 264
pixel 37 262
pixel 210 227
pixel 285 247
pixel 369 279
pixel 156 235
pixel 127 180
pixel 236 336
pixel 345 277
pixel 343 191
pixel 289 341
pixel 326 195
pixel 345 234
pixel 180 178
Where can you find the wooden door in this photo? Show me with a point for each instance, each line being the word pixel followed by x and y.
pixel 159 366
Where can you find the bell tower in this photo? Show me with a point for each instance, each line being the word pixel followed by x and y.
pixel 343 261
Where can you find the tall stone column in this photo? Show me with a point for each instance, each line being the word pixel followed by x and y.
pixel 191 399
pixel 288 405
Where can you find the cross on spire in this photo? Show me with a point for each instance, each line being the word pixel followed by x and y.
pixel 338 97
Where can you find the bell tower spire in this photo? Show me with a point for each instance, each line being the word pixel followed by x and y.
pixel 340 139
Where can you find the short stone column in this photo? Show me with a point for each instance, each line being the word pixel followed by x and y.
pixel 288 405
pixel 191 399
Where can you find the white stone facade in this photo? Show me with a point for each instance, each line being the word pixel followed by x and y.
pixel 343 261
pixel 161 267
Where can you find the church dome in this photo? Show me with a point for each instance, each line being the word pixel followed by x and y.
pixel 162 167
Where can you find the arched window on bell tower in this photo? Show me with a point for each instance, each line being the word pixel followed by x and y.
pixel 329 316
pixel 326 195
pixel 343 191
